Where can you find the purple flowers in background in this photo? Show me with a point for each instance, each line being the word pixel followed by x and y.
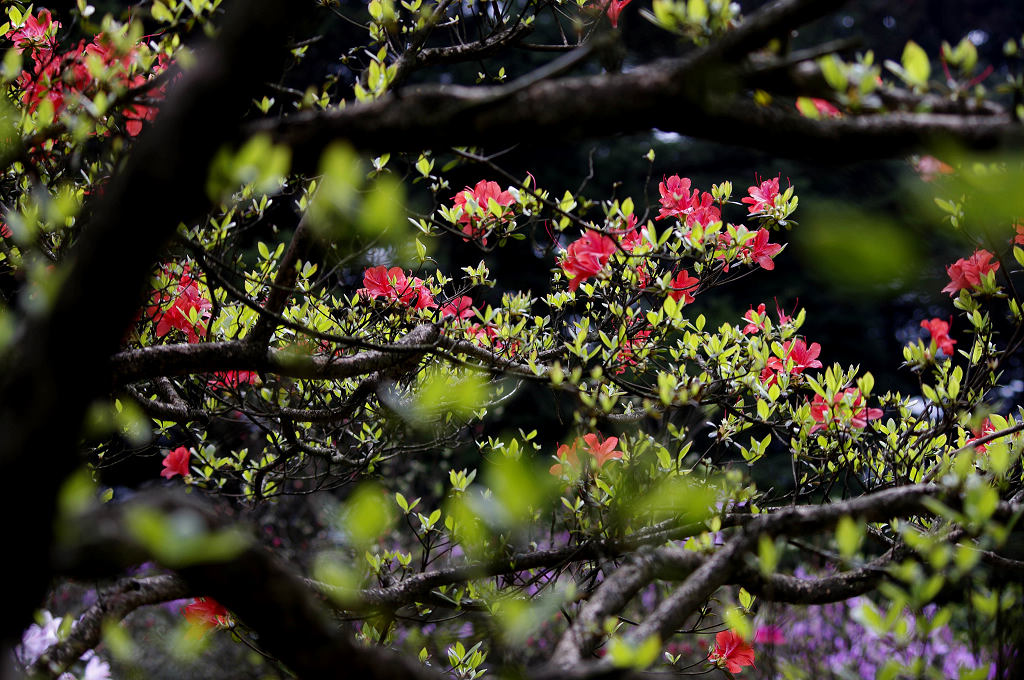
pixel 832 641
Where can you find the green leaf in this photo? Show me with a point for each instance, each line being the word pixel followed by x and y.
pixel 832 70
pixel 161 13
pixel 367 516
pixel 849 535
pixel 916 64
pixel 807 108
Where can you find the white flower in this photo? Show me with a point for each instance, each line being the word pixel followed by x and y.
pixel 37 639
pixel 97 669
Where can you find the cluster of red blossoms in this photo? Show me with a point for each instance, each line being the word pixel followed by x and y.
pixel 393 285
pixel 698 208
pixel 797 356
pixel 61 78
pixel 625 355
pixel 481 208
pixel 600 451
pixel 186 300
pixel 677 201
pixel 846 408
pixel 586 257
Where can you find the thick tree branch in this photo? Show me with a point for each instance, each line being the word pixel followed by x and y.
pixel 698 95
pixel 264 593
pixel 618 588
pixel 163 179
pixel 113 603
pixel 798 520
pixel 184 359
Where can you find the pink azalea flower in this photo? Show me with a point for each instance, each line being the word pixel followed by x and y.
pixel 33 33
pixel 232 379
pixel 985 429
pixel 568 456
pixel 797 356
pixel 930 167
pixel 613 8
pixel 762 196
pixel 625 354
pixel 601 451
pixel 703 212
pixel 824 109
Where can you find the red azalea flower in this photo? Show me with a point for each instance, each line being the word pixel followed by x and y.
pixel 475 203
pixel 966 274
pixel 569 458
pixel 1019 237
pixel 602 451
pixel 418 290
pixel 802 355
pixel 847 407
pixel 33 33
pixel 613 8
pixel 625 354
pixel 762 196
pixel 392 284
pixel 756 319
pixel 676 200
pixel 631 238
pixel 797 355
pixel 176 463
pixel 461 308
pixel 382 282
pixel 586 257
pixel 205 613
pixel 939 330
pixel 731 651
pixel 186 299
pixel 985 429
pixel 703 211
pixel 232 379
pixel 761 251
pixel 682 285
